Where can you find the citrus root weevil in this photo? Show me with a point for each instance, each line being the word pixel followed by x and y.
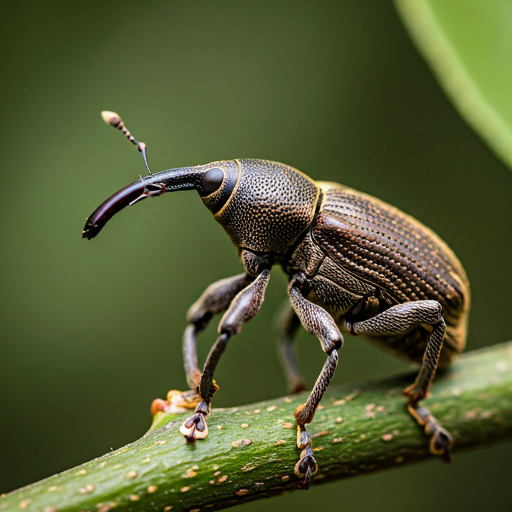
pixel 354 263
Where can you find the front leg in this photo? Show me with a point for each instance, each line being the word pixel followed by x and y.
pixel 243 308
pixel 320 323
pixel 401 319
pixel 215 299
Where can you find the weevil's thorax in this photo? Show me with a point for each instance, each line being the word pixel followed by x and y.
pixel 270 206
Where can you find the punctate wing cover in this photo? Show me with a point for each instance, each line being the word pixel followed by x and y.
pixel 388 248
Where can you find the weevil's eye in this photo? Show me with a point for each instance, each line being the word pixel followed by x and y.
pixel 211 181
pixel 217 185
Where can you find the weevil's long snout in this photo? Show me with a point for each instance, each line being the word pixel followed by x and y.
pixel 125 197
pixel 186 178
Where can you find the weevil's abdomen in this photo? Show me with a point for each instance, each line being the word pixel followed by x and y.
pixel 392 251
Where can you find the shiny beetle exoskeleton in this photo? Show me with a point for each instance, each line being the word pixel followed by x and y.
pixel 354 264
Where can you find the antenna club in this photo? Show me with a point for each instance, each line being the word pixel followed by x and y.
pixel 111 118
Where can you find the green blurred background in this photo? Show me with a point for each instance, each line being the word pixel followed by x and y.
pixel 91 331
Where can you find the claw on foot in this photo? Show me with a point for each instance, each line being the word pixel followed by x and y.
pixel 195 427
pixel 304 483
pixel 306 467
pixel 440 444
pixel 440 441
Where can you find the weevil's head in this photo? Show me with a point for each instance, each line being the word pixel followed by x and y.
pixel 263 206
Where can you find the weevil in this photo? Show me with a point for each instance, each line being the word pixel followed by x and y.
pixel 355 264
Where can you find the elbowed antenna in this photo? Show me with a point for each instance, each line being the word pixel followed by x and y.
pixel 115 120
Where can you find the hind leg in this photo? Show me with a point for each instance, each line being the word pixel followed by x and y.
pixel 401 319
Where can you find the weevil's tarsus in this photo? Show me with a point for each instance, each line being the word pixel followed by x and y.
pixel 195 426
pixel 158 405
pixel 440 441
pixel 306 466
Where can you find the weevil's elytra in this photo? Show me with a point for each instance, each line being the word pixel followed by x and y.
pixel 354 263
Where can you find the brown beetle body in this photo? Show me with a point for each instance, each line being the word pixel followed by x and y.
pixel 364 256
pixel 353 261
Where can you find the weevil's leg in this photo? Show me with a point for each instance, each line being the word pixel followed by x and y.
pixel 242 308
pixel 441 440
pixel 318 322
pixel 215 299
pixel 288 324
pixel 192 370
pixel 401 319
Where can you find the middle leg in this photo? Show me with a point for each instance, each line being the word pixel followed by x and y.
pixel 288 325
pixel 319 322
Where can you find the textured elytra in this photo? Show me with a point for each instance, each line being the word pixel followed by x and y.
pixel 270 207
pixel 381 245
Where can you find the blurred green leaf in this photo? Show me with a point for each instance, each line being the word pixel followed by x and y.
pixel 468 44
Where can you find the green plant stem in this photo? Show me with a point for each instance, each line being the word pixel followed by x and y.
pixel 250 452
